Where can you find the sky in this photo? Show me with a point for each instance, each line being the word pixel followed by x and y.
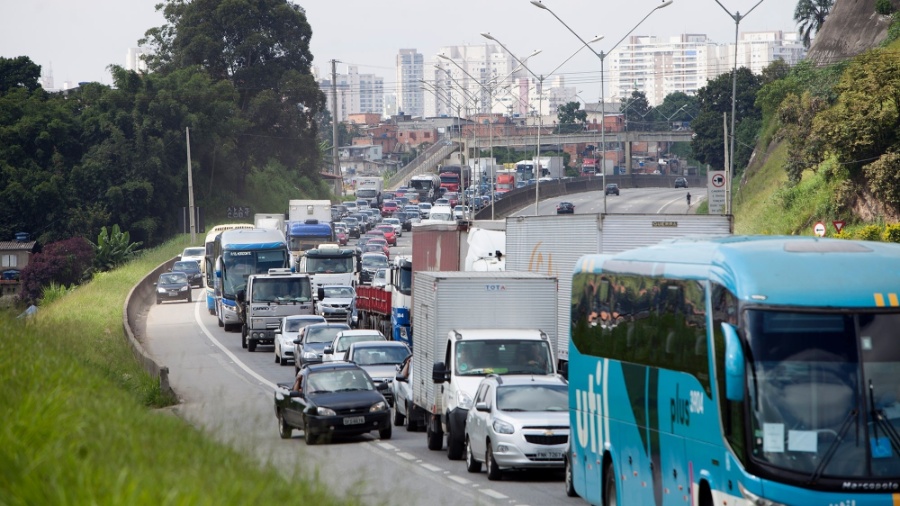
pixel 78 39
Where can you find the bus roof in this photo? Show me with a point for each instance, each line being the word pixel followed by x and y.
pixel 771 270
pixel 254 238
pixel 218 229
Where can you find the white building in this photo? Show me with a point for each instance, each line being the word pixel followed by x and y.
pixel 660 66
pixel 133 59
pixel 355 92
pixel 486 70
pixel 410 73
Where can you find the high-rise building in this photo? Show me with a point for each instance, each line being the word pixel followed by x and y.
pixel 133 59
pixel 410 73
pixel 490 68
pixel 660 66
pixel 356 93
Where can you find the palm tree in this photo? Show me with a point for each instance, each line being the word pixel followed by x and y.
pixel 810 15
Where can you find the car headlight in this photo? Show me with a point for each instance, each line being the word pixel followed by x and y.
pixel 325 411
pixel 160 290
pixel 501 427
pixel 463 400
pixel 183 289
pixel 378 406
pixel 310 355
pixel 755 499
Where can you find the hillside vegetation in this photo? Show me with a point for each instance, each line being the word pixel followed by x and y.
pixel 828 149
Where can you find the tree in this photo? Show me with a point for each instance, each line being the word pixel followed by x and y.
pixel 714 100
pixel 19 72
pixel 571 117
pixel 810 15
pixel 635 110
pixel 676 107
pixel 66 263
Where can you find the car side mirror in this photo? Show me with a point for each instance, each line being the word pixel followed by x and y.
pixel 439 372
pixel 329 350
pixel 382 386
pixel 297 341
pixel 296 393
pixel 277 331
pixel 483 407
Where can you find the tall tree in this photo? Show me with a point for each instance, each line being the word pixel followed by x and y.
pixel 714 101
pixel 636 108
pixel 571 117
pixel 810 16
pixel 19 72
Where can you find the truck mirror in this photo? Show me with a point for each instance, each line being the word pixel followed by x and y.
pixel 734 364
pixel 563 369
pixel 482 406
pixel 439 372
pixel 320 293
pixel 296 393
pixel 328 350
pixel 240 296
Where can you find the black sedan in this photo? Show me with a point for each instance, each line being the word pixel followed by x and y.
pixel 192 270
pixel 172 286
pixel 565 208
pixel 611 189
pixel 335 399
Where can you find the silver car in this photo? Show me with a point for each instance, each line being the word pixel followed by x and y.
pixel 288 330
pixel 518 422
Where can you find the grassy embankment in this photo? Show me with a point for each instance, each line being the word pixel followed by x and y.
pixel 78 420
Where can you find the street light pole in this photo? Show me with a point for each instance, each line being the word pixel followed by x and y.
pixel 737 21
pixel 602 55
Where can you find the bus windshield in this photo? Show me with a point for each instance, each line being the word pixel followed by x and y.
pixel 813 409
pixel 239 264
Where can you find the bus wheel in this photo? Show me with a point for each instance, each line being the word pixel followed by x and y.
pixel 570 479
pixel 610 497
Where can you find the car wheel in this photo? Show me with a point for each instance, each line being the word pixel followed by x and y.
pixel 159 301
pixel 277 358
pixel 455 446
pixel 385 433
pixel 284 430
pixel 399 418
pixel 570 480
pixel 493 472
pixel 189 298
pixel 435 437
pixel 610 497
pixel 472 465
pixel 309 437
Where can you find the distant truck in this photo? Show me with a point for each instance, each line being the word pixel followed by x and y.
pixel 551 245
pixel 454 178
pixel 468 325
pixel 551 166
pixel 330 266
pixel 387 308
pixel 272 221
pixel 426 186
pixel 370 189
pixel 266 299
pixel 309 224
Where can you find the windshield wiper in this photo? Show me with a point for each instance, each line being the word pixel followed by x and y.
pixel 880 418
pixel 832 448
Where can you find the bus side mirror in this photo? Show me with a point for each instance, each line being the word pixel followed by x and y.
pixel 734 364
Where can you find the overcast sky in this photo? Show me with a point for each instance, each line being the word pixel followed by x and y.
pixel 80 38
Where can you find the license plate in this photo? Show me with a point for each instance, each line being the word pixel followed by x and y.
pixel 173 292
pixel 354 420
pixel 550 455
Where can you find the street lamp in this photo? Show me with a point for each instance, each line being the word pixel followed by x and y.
pixel 537 153
pixel 737 21
pixel 490 91
pixel 602 55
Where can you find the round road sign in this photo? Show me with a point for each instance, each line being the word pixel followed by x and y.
pixel 819 229
pixel 718 180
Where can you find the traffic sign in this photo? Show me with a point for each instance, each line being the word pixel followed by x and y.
pixel 819 229
pixel 718 180
pixel 838 225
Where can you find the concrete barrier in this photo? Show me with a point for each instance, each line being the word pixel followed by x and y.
pixel 138 300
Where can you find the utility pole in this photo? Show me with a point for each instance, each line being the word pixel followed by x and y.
pixel 193 225
pixel 339 182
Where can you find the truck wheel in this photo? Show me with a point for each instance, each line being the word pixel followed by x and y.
pixel 455 444
pixel 284 430
pixel 435 437
pixel 221 323
pixel 251 345
pixel 399 418
pixel 243 340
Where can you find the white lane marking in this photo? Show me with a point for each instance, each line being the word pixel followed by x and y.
pixel 387 446
pixel 431 467
pixel 493 493
pixel 225 350
pixel 667 204
pixel 459 479
pixel 407 456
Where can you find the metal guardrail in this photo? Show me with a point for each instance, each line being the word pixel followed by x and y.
pixel 522 197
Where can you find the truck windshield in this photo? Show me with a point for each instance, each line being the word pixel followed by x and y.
pixel 306 242
pixel 294 289
pixel 813 409
pixel 329 264
pixel 366 193
pixel 496 356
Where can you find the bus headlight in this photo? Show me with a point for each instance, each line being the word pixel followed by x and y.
pixel 755 499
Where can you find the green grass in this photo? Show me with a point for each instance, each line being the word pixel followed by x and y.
pixel 78 423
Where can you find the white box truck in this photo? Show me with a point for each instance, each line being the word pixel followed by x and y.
pixel 370 189
pixel 467 325
pixel 273 221
pixel 551 245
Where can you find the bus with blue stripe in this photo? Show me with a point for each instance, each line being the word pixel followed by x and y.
pixel 209 261
pixel 240 253
pixel 736 370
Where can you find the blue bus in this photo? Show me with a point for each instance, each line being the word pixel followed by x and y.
pixel 240 253
pixel 736 370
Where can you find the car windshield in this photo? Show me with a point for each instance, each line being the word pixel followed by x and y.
pixel 340 380
pixel 295 324
pixel 173 278
pixel 823 392
pixel 497 356
pixel 188 266
pixel 374 261
pixel 381 355
pixel 323 334
pixel 344 342
pixel 338 292
pixel 533 398
pixel 194 252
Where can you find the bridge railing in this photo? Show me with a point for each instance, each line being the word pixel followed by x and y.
pixel 423 163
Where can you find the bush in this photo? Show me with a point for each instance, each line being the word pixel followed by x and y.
pixel 869 233
pixel 883 7
pixel 54 292
pixel 891 233
pixel 66 263
pixel 113 248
